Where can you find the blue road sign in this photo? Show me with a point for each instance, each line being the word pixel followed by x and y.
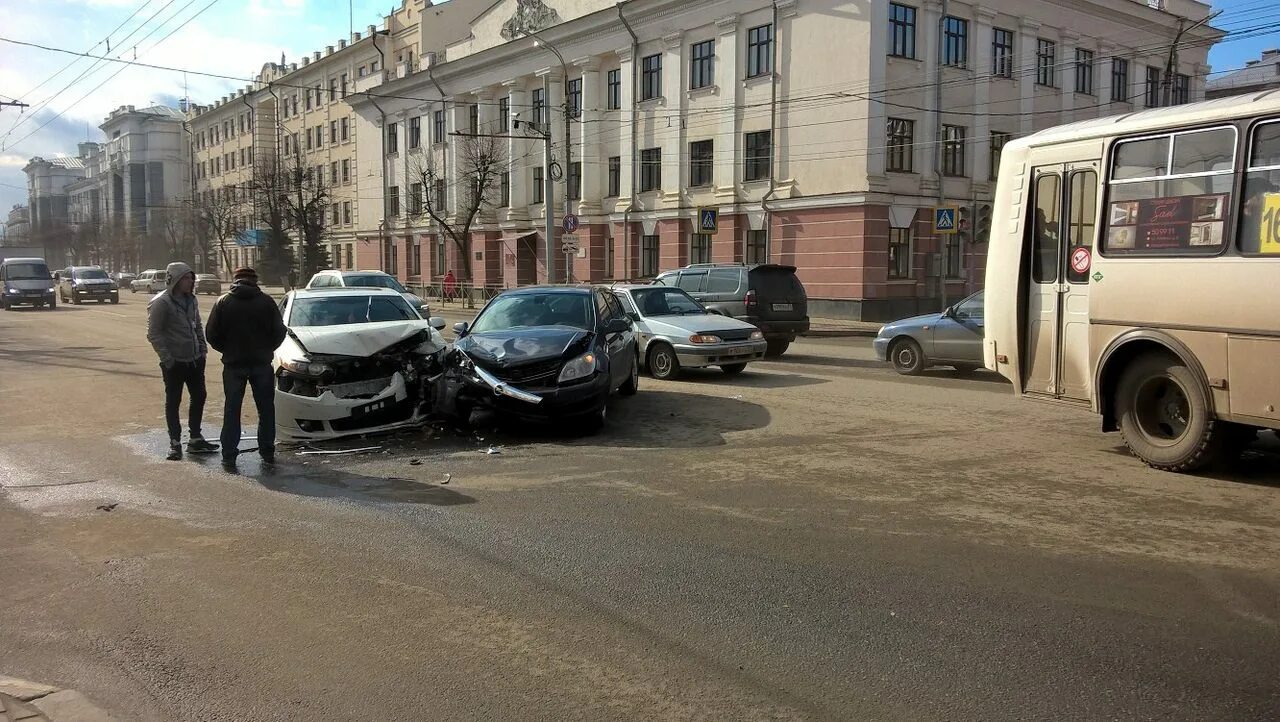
pixel 570 223
pixel 708 220
pixel 944 219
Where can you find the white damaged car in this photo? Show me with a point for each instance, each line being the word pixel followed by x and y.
pixel 355 361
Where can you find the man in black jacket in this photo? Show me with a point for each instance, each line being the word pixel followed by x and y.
pixel 246 327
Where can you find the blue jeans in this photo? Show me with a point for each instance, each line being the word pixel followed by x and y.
pixel 262 382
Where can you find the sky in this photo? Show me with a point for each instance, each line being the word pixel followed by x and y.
pixel 231 37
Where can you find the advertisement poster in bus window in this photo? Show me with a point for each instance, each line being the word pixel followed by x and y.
pixel 1269 232
pixel 1167 224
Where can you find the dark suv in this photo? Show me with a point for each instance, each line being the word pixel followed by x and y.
pixel 768 295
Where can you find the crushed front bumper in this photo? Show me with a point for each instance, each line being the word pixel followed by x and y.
pixel 469 388
pixel 328 416
pixel 732 352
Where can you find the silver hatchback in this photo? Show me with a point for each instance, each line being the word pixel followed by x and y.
pixel 675 332
pixel 951 338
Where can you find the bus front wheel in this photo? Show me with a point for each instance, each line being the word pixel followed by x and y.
pixel 1165 417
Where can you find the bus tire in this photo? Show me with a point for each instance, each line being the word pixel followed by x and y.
pixel 1165 417
pixel 906 356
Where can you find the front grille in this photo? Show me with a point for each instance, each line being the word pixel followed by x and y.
pixel 528 374
pixel 742 334
pixel 358 389
pixel 395 413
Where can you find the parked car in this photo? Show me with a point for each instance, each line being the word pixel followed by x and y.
pixel 123 279
pixel 951 338
pixel 150 281
pixel 544 352
pixel 26 281
pixel 768 296
pixel 87 283
pixel 367 279
pixel 675 331
pixel 208 283
pixel 355 361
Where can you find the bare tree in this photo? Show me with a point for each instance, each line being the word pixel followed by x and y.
pixel 481 163
pixel 308 199
pixel 267 195
pixel 219 216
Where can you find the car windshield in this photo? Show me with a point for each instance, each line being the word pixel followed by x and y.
pixel 373 281
pixel 206 277
pixel 92 273
pixel 522 310
pixel 27 272
pixel 666 301
pixel 971 307
pixel 345 310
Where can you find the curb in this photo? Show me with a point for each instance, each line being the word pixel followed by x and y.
pixel 28 701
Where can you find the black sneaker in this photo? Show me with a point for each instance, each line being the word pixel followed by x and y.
pixel 229 464
pixel 198 445
pixel 268 458
pixel 175 451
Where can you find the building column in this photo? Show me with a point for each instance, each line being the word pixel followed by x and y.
pixel 673 94
pixel 1102 78
pixel 929 145
pixel 1028 33
pixel 982 96
pixel 457 117
pixel 587 129
pixel 726 69
pixel 877 115
pixel 1067 73
pixel 518 211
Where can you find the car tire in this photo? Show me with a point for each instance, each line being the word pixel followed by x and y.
pixel 733 369
pixel 115 300
pixel 4 304
pixel 632 384
pixel 74 301
pixel 1165 417
pixel 53 304
pixel 776 347
pixel 906 356
pixel 662 362
pixel 594 423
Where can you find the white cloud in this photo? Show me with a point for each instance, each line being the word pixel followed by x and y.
pixel 9 160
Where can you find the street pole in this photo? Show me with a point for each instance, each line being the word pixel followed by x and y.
pixel 548 187
pixel 939 148
pixel 540 42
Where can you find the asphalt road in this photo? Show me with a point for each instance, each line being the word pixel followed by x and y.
pixel 818 538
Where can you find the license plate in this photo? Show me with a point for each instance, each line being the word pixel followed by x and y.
pixel 782 307
pixel 740 350
pixel 370 408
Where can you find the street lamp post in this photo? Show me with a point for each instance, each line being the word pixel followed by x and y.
pixel 541 42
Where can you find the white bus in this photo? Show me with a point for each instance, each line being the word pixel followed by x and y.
pixel 1134 267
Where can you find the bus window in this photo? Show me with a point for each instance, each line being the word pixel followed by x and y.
pixel 1259 229
pixel 1044 229
pixel 1082 211
pixel 1175 205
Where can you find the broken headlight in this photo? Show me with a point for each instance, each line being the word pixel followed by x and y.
pixel 305 367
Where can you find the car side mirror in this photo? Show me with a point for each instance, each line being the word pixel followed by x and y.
pixel 436 322
pixel 460 328
pixel 617 325
pixel 426 309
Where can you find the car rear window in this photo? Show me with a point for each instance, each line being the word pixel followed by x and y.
pixel 724 280
pixel 776 281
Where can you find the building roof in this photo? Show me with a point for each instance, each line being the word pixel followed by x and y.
pixel 1263 72
pixel 62 162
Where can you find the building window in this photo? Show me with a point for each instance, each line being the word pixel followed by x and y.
pixel 394 200
pixel 759 51
pixel 648 255
pixel 955 42
pixel 902 31
pixel 504 190
pixel 575 180
pixel 702 64
pixel 759 156
pixel 651 77
pixel 414 253
pixel 306 101
pixel 287 145
pixel 346 129
pixel 415 132
pixel 573 97
pixel 333 132
pixel 438 127
pixel 504 114
pixel 1001 53
pixel 952 257
pixel 319 137
pixel 1153 87
pixel 333 214
pixel 343 85
pixel 755 251
pixel 899 253
pixel 537 185
pixel 333 173
pixel 1181 89
pixel 538 100
pixel 473 118
pixel 899 150
pixel 310 144
pixel 333 89
pixel 346 213
pixel 393 139
pixel 615 176
pixel 608 257
pixel 1084 71
pixel 361 71
pixel 701 159
pixel 1046 58
pixel 440 202
pixel 441 252
pixel 319 95
pixel 1119 80
pixel 415 199
pixel 614 81
pixel 250 155
pixel 953 145
pixel 998 141
pixel 650 169
pixel 346 170
pixel 700 248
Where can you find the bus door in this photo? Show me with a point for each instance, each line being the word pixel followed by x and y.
pixel 1060 241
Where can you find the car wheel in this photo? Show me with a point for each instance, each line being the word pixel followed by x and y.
pixel 4 304
pixel 907 357
pixel 663 364
pixel 593 423
pixel 1164 415
pixel 733 369
pixel 632 384
pixel 115 299
pixel 74 300
pixel 776 347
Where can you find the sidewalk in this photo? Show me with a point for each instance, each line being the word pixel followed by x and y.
pixel 33 702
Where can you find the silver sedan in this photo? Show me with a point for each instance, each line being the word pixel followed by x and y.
pixel 951 338
pixel 677 332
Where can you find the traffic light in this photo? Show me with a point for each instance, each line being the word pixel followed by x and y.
pixel 982 229
pixel 964 225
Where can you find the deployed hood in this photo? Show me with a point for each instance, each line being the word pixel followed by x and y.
pixel 519 345
pixel 363 339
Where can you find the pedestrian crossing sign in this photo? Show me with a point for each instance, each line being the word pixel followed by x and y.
pixel 945 219
pixel 708 220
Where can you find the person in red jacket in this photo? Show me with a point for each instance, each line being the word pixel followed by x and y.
pixel 449 283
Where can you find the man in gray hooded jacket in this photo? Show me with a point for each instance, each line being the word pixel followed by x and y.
pixel 177 335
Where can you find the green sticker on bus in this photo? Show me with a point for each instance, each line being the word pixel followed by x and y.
pixel 1097 275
